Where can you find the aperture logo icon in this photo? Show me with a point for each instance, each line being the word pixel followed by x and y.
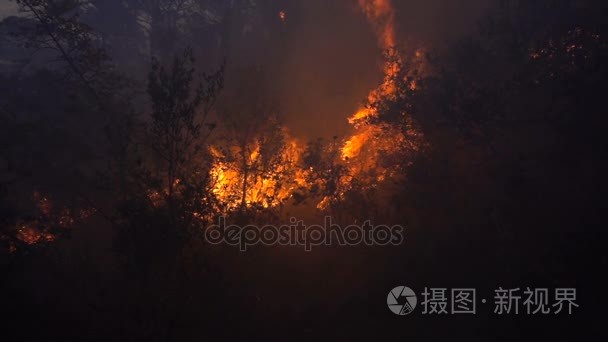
pixel 401 300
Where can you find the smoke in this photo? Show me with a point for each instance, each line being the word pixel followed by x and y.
pixel 320 57
pixel 381 16
pixel 323 57
pixel 331 60
pixel 436 22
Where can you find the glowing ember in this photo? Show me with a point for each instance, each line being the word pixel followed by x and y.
pixel 43 226
pixel 283 16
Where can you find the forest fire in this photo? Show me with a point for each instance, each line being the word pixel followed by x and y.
pixel 269 170
pixel 188 170
pixel 246 180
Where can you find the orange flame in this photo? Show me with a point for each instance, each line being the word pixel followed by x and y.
pixel 381 15
pixel 262 188
pixel 237 183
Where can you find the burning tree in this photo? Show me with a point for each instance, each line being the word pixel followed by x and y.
pixel 385 138
pixel 256 161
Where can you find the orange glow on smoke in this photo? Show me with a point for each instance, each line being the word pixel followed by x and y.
pixel 381 16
